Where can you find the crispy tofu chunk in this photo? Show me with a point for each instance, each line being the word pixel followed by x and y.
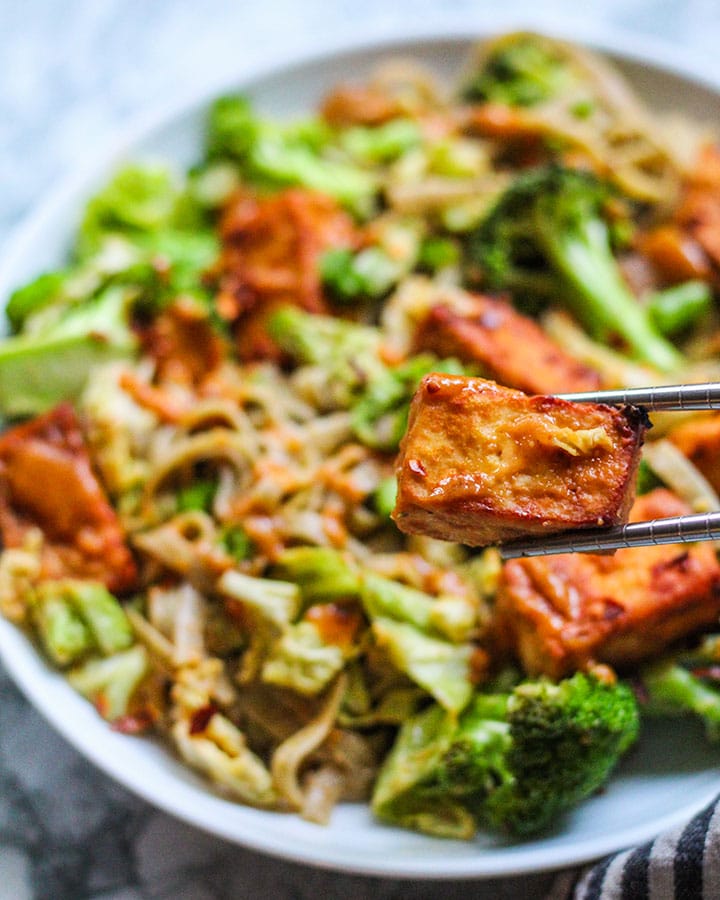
pixel 510 348
pixel 482 463
pixel 699 440
pixel 47 482
pixel 562 613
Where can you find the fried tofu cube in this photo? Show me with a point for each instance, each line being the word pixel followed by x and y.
pixel 47 482
pixel 481 463
pixel 699 440
pixel 565 612
pixel 509 347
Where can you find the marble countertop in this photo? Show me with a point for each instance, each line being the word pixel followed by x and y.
pixel 74 74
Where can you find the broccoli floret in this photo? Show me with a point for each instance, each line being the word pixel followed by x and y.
pixel 515 761
pixel 565 740
pixel 685 683
pixel 546 238
pixel 522 71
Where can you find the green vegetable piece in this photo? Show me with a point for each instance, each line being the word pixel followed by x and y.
pixel 63 633
pixel 277 602
pixel 438 253
pixel 301 661
pixel 236 542
pixel 198 495
pixel 566 738
pixel 515 761
pixel 523 71
pixel 669 689
pixel 232 128
pixel 101 612
pixel 379 418
pixel 383 598
pixel 39 370
pixel 347 353
pixel 385 496
pixel 439 770
pixel 583 109
pixel 137 199
pixel 546 239
pixel 109 683
pixel 32 297
pixel 322 574
pixel 647 480
pixel 382 143
pixel 441 668
pixel 678 308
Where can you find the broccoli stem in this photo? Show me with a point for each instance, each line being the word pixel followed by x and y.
pixel 598 295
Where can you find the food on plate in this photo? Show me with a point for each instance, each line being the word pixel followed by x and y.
pixel 481 463
pixel 196 512
pixel 505 345
pixel 565 612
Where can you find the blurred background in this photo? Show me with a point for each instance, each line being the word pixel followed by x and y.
pixel 74 75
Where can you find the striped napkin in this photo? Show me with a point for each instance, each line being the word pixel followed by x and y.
pixel 681 864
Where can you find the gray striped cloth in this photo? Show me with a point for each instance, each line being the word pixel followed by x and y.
pixel 680 864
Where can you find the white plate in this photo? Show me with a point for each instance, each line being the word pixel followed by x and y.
pixel 671 774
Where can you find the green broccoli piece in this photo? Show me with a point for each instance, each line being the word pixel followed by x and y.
pixel 74 618
pixel 546 238
pixel 380 416
pixel 522 71
pixel 685 683
pixel 39 369
pixel 439 768
pixel 566 738
pixel 515 761
pixel 373 271
pixel 677 308
pixel 275 156
pixel 109 683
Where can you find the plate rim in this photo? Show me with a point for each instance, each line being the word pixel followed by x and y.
pixel 20 657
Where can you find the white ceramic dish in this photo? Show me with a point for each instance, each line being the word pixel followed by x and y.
pixel 672 773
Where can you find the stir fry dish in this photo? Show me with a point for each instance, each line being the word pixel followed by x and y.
pixel 209 421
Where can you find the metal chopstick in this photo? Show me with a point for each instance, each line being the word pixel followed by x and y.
pixel 673 530
pixel 662 397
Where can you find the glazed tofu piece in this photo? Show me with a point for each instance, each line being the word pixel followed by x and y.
pixel 563 613
pixel 47 482
pixel 509 348
pixel 699 440
pixel 480 464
